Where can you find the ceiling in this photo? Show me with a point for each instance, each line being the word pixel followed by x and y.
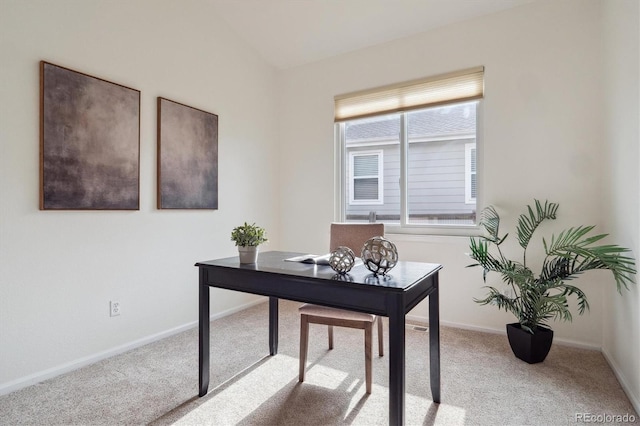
pixel 288 33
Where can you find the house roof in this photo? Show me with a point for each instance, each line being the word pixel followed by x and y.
pixel 429 123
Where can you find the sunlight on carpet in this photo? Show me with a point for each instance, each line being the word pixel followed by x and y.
pixel 325 377
pixel 275 382
pixel 242 397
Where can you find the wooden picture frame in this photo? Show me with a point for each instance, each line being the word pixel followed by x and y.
pixel 89 142
pixel 187 157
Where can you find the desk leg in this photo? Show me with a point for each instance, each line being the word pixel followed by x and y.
pixel 203 334
pixel 396 360
pixel 434 341
pixel 273 325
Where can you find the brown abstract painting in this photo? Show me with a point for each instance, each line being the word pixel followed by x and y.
pixel 89 142
pixel 187 157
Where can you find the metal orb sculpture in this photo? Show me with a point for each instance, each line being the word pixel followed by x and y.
pixel 342 259
pixel 379 255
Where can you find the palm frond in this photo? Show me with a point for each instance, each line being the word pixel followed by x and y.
pixel 500 300
pixel 514 272
pixel 480 253
pixel 527 224
pixel 583 304
pixel 541 307
pixel 571 239
pixel 554 307
pixel 490 221
pixel 557 268
pixel 574 246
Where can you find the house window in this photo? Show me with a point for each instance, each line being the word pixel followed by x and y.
pixel 414 169
pixel 470 179
pixel 365 182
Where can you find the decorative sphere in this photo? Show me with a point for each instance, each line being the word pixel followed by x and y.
pixel 342 259
pixel 379 255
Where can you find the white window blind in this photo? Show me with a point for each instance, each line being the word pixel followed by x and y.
pixel 364 165
pixel 365 174
pixel 458 86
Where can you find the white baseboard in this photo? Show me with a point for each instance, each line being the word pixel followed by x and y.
pixel 635 399
pixel 565 342
pixel 50 373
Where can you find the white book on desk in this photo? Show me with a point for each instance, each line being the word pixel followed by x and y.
pixel 322 259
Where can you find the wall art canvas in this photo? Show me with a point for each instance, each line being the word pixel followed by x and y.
pixel 89 142
pixel 187 157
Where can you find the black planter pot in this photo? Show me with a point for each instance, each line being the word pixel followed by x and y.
pixel 531 348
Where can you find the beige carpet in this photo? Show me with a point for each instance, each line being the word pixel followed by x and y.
pixel 482 382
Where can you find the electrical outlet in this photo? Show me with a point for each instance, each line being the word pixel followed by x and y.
pixel 508 292
pixel 114 308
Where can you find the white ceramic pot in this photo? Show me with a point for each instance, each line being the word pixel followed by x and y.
pixel 248 254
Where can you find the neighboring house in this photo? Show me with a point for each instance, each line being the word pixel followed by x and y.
pixel 442 166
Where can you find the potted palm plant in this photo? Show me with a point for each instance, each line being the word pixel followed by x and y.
pixel 248 238
pixel 537 299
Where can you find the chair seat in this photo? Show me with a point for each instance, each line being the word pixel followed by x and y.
pixel 327 312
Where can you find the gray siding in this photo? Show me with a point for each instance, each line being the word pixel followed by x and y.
pixel 436 180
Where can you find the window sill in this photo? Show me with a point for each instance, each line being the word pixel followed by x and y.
pixel 431 233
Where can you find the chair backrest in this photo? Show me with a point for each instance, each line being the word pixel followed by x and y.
pixel 354 235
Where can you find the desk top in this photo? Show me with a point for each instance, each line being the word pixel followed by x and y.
pixel 402 277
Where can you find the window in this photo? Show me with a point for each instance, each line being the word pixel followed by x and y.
pixel 365 182
pixel 411 166
pixel 470 181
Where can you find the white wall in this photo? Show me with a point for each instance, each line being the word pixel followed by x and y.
pixel 59 269
pixel 621 29
pixel 542 138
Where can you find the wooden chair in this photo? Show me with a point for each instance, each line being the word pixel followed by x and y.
pixel 353 236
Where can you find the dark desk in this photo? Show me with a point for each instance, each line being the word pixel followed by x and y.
pixel 392 296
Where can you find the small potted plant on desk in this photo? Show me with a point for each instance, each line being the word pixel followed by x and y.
pixel 248 238
pixel 536 299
